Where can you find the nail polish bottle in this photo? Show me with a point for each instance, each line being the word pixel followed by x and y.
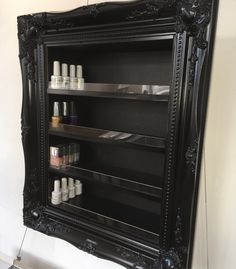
pixel 80 85
pixel 71 188
pixel 78 187
pixel 73 145
pixel 74 119
pixel 65 155
pixel 73 79
pixel 64 190
pixel 56 79
pixel 71 153
pixel 76 153
pixel 56 194
pixel 65 113
pixel 65 77
pixel 55 157
pixel 56 115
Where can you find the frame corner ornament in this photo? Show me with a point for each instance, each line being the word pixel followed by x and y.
pixel 193 16
pixel 173 259
pixel 137 260
pixel 170 260
pixel 40 221
pixel 89 246
pixel 178 229
pixel 29 29
pixel 191 156
pixel 151 9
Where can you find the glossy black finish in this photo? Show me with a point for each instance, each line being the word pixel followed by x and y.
pixel 114 91
pixel 107 136
pixel 139 202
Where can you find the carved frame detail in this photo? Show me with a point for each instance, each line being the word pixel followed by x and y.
pixel 191 18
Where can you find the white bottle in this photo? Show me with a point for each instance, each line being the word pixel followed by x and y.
pixel 78 187
pixel 71 188
pixel 56 79
pixel 56 194
pixel 73 79
pixel 80 80
pixel 64 190
pixel 65 78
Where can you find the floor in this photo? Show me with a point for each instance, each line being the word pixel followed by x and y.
pixel 4 265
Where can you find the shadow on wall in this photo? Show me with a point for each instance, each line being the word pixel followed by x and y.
pixel 29 261
pixel 220 147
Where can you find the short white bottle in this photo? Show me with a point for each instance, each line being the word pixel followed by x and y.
pixel 71 188
pixel 56 194
pixel 73 78
pixel 65 78
pixel 56 78
pixel 79 73
pixel 64 190
pixel 78 187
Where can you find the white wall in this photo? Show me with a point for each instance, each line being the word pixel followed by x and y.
pixel 218 177
pixel 220 149
pixel 39 250
pixel 216 215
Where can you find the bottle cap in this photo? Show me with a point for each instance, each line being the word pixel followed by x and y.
pixel 72 71
pixel 73 110
pixel 57 186
pixel 64 68
pixel 71 183
pixel 55 151
pixel 56 109
pixel 56 68
pixel 79 71
pixel 78 187
pixel 64 183
pixel 65 111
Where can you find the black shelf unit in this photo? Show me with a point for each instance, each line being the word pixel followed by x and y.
pixel 132 92
pixel 140 187
pixel 136 215
pixel 123 179
pixel 100 136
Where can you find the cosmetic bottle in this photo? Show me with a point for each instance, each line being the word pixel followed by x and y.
pixel 71 188
pixel 65 155
pixel 71 153
pixel 80 80
pixel 56 194
pixel 76 153
pixel 55 157
pixel 65 77
pixel 56 79
pixel 65 113
pixel 64 190
pixel 78 187
pixel 74 119
pixel 73 79
pixel 56 115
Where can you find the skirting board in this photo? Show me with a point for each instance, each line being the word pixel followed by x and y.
pixel 6 258
pixel 19 265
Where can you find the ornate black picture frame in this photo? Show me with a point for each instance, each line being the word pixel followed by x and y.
pixel 191 25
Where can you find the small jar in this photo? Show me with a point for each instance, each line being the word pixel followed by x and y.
pixel 55 157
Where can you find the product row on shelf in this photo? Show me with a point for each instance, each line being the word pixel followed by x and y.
pixel 65 189
pixel 64 154
pixel 64 112
pixel 61 80
pixel 74 81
